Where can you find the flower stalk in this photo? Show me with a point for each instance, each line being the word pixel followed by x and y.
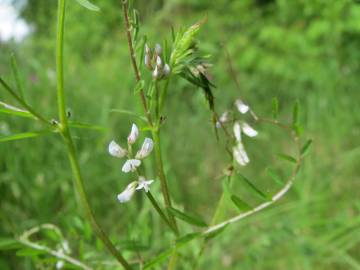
pixel 66 134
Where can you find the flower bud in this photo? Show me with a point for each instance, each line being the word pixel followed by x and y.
pixel 248 130
pixel 158 49
pixel 241 106
pixel 133 134
pixel 130 165
pixel 159 62
pixel 147 49
pixel 166 70
pixel 237 131
pixel 116 151
pixel 147 61
pixel 240 154
pixel 146 149
pixel 156 73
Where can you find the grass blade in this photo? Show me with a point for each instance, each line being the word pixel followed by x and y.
pixel 274 176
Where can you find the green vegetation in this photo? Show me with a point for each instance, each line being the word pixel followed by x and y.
pixel 302 52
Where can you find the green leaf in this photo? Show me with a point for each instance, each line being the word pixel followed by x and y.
pixel 17 113
pixel 179 243
pixel 7 243
pixel 226 186
pixel 274 176
pixel 87 4
pixel 130 113
pixel 239 203
pixel 158 259
pixel 275 107
pixel 296 113
pixel 75 124
pixel 21 136
pixel 287 158
pixel 29 252
pixel 187 218
pixel 215 233
pixel 139 86
pixel 187 238
pixel 256 191
pixel 306 147
pixel 15 72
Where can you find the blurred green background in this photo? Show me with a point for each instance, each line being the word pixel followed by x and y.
pixel 306 50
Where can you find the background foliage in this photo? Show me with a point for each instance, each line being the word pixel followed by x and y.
pixel 305 50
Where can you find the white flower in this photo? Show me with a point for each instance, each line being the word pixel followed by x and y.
pixel 144 184
pixel 223 119
pixel 146 149
pixel 129 191
pixel 241 106
pixel 147 49
pixel 158 49
pixel 130 165
pixel 156 73
pixel 158 62
pixel 134 133
pixel 237 131
pixel 116 150
pixel 166 70
pixel 248 130
pixel 59 264
pixel 240 154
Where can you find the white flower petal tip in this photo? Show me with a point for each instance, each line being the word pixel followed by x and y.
pixel 248 130
pixel 240 155
pixel 144 184
pixel 223 119
pixel 59 265
pixel 116 151
pixel 146 149
pixel 241 106
pixel 134 133
pixel 127 194
pixel 131 165
pixel 237 131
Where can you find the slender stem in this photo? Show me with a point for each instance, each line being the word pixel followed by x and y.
pixel 133 59
pixel 23 103
pixel 59 255
pixel 163 181
pixel 173 260
pixel 160 212
pixel 66 134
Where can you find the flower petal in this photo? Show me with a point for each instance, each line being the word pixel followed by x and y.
pixel 144 184
pixel 241 106
pixel 223 119
pixel 248 130
pixel 237 131
pixel 131 165
pixel 127 194
pixel 134 133
pixel 145 149
pixel 116 151
pixel 240 154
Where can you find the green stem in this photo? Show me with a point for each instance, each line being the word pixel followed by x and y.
pixel 160 212
pixel 163 181
pixel 66 134
pixel 173 260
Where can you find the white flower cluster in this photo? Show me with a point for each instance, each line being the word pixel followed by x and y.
pixel 155 63
pixel 239 127
pixel 132 163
